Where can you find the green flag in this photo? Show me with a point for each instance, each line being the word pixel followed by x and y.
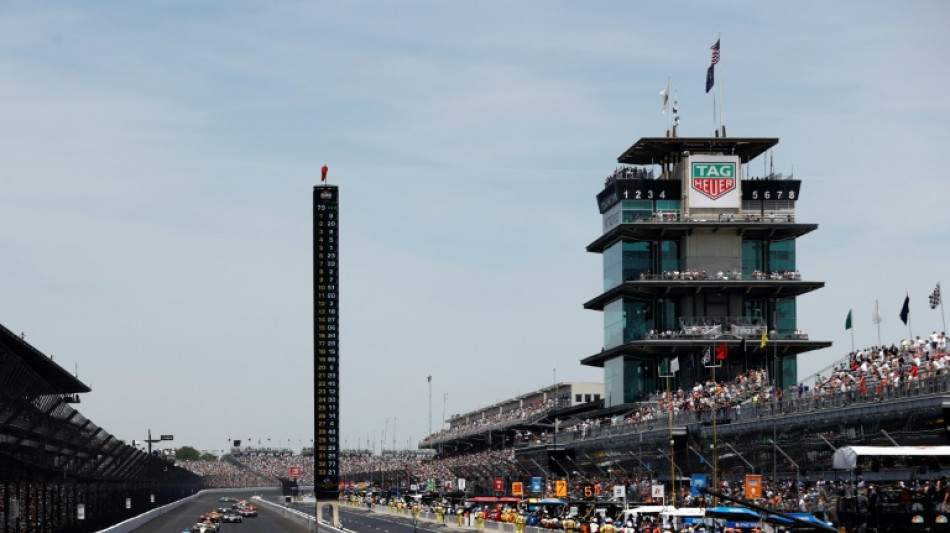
pixel 664 368
pixel 847 323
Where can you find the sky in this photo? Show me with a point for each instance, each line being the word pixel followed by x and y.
pixel 159 159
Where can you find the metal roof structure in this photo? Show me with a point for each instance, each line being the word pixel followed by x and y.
pixel 654 150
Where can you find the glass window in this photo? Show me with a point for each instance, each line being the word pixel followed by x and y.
pixel 669 255
pixel 613 324
pixel 627 320
pixel 625 261
pixel 668 205
pixel 634 210
pixel 752 257
pixel 782 256
pixel 785 316
pixel 755 308
pixel 626 381
pixel 587 398
pixel 789 371
pixel 577 398
pixel 613 382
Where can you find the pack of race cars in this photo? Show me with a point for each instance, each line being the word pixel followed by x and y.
pixel 236 513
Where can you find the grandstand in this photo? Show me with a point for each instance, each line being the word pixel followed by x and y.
pixel 58 470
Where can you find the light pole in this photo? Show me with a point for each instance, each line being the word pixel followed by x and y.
pixel 150 440
pixel 429 380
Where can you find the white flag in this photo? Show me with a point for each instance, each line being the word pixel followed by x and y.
pixel 665 93
pixel 877 318
pixel 674 365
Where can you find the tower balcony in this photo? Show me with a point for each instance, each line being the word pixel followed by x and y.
pixel 677 284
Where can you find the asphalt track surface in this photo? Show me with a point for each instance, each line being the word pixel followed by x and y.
pixel 362 521
pixel 182 518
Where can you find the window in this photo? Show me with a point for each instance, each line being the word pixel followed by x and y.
pixel 587 398
pixel 577 398
pixel 625 261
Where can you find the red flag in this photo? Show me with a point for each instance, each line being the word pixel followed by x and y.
pixel 913 371
pixel 722 351
pixel 323 173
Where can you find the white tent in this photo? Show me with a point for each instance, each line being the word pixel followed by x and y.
pixel 846 457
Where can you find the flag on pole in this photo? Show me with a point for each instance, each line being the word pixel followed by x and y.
pixel 710 74
pixel 715 52
pixel 935 298
pixel 707 357
pixel 722 351
pixel 664 367
pixel 905 310
pixel 674 365
pixel 847 323
pixel 876 317
pixel 665 93
pixel 765 340
pixel 323 172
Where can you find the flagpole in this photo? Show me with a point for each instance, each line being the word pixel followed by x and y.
pixel 666 105
pixel 669 398
pixel 943 317
pixel 877 320
pixel 910 328
pixel 721 131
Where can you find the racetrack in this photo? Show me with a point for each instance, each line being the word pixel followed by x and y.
pixel 182 518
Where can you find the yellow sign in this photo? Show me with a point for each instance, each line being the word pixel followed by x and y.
pixel 560 488
pixel 517 488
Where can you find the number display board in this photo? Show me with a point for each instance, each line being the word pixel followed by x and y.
pixel 326 276
pixel 637 189
pixel 771 189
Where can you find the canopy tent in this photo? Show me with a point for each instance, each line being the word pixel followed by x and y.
pixel 847 457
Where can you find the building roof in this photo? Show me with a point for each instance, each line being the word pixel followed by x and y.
pixel 61 381
pixel 653 150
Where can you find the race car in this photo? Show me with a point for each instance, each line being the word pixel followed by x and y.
pixel 232 518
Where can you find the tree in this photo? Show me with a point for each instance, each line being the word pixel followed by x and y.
pixel 187 453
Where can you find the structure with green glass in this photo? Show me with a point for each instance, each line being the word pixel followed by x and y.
pixel 698 260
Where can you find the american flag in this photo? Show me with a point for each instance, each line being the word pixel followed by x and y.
pixel 715 52
pixel 935 298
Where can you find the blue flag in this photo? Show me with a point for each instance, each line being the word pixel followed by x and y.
pixel 709 77
pixel 905 310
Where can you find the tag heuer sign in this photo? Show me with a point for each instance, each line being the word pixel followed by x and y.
pixel 713 179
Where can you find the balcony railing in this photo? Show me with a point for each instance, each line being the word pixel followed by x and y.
pixel 676 216
pixel 707 327
pixel 721 275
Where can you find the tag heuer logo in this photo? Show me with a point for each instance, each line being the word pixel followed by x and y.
pixel 714 179
pixel 326 195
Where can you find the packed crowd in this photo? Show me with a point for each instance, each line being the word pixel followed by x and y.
pixel 482 464
pixel 225 474
pixel 881 369
pixel 630 173
pixel 511 415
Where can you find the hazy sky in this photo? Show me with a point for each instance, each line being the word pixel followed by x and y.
pixel 159 158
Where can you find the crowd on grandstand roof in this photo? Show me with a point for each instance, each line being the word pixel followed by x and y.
pixel 524 412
